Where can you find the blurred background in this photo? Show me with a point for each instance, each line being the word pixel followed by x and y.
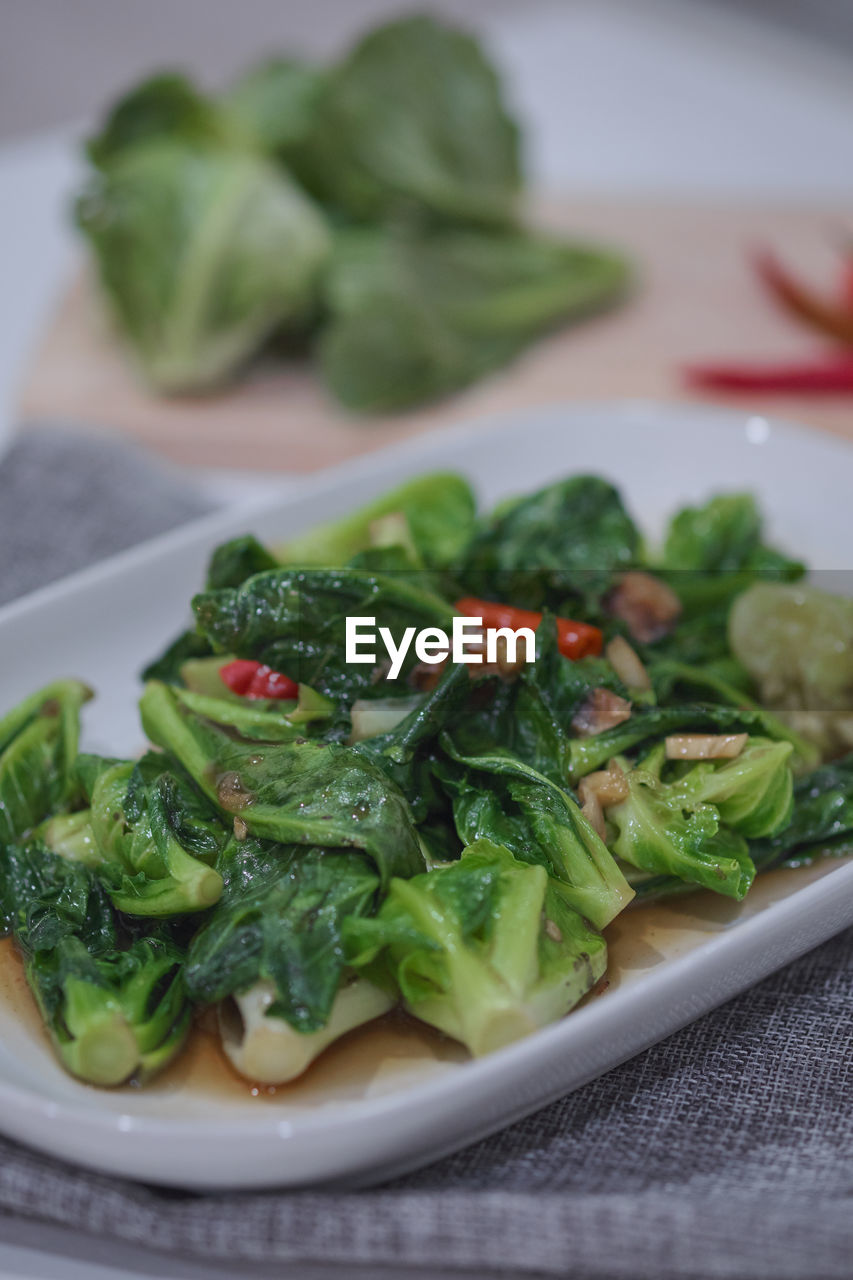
pixel 656 105
pixel 61 59
pixel 711 94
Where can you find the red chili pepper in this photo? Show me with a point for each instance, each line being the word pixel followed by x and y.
pixel 833 376
pixel 847 284
pixel 831 318
pixel 575 639
pixel 256 680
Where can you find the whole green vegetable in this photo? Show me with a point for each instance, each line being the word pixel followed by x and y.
pixel 202 252
pixel 201 219
pixel 415 316
pixel 413 119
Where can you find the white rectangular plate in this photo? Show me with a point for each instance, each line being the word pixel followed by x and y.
pixel 392 1097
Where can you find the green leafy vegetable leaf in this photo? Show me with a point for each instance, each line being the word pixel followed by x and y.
pixel 202 253
pixel 725 535
pixel 38 746
pixel 822 817
pixel 447 146
pixel 295 621
pixel 112 1013
pixel 487 949
pixel 280 920
pixel 438 514
pixel 234 561
pixel 663 829
pixel 497 797
pixel 299 792
pixel 752 792
pixel 275 103
pixel 167 105
pixel 153 836
pixel 417 316
pixel 555 547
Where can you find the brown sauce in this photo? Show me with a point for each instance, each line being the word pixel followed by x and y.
pixel 15 994
pixel 639 939
pixel 647 934
pixel 346 1069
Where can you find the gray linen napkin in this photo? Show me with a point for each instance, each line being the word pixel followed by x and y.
pixel 725 1151
pixel 68 499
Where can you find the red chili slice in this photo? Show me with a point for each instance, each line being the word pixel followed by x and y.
pixel 575 639
pixel 831 377
pixel 257 680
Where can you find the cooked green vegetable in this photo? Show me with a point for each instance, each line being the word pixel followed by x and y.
pixel 648 723
pixel 405 751
pixel 694 824
pixel 377 717
pixel 533 717
pixel 796 642
pixel 503 800
pixel 487 949
pixel 434 512
pixel 202 253
pixel 299 792
pixel 446 147
pixel 268 1049
pixel 711 554
pixel 415 316
pixel 38 746
pixel 727 681
pixel 260 719
pixel 753 793
pixel 725 535
pixel 71 836
pixel 236 560
pixel 437 512
pixel 822 818
pixel 663 829
pixel 188 648
pixel 280 922
pixel 558 548
pixel 113 1013
pixel 153 837
pixel 183 661
pixel 294 620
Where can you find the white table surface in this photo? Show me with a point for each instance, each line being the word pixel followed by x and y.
pixel 652 96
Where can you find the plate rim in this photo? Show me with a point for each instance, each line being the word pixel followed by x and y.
pixel 411 448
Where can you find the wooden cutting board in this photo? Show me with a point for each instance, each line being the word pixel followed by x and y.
pixel 695 299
